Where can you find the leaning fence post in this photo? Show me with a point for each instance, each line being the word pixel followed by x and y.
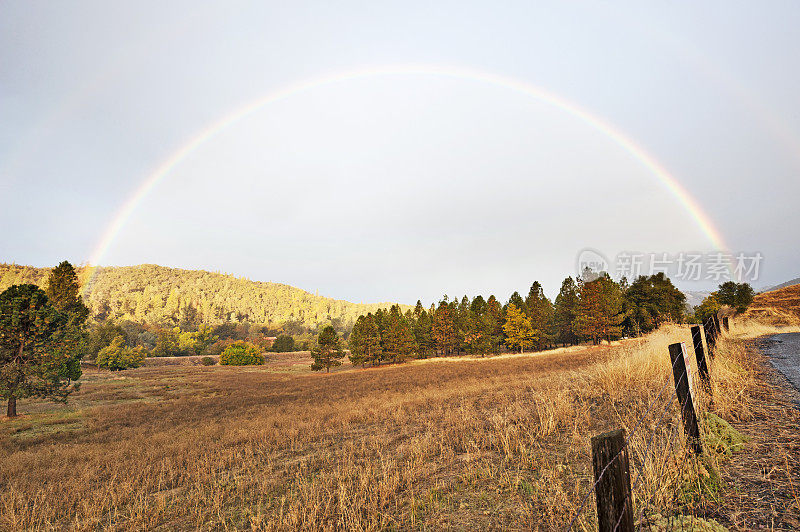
pixel 699 353
pixel 683 389
pixel 612 481
pixel 717 328
pixel 726 324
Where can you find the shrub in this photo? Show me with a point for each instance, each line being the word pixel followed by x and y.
pixel 283 344
pixel 241 354
pixel 219 346
pixel 116 356
pixel 208 361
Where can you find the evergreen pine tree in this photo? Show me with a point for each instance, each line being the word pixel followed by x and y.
pixel 365 342
pixel 493 324
pixel 566 310
pixel 445 329
pixel 540 310
pixel 328 351
pixel 423 334
pixel 37 348
pixel 601 310
pixel 63 292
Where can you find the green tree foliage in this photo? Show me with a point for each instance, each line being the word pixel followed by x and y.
pixel 328 352
pixel 63 292
pixel 204 338
pixel 101 335
pixel 540 311
pixel 193 342
pixel 600 313
pixel 736 295
pixel 517 301
pixel 592 308
pixel 168 343
pixel 518 329
pixel 356 342
pixel 38 348
pixel 423 332
pixel 493 324
pixel 283 344
pixel 567 306
pixel 445 328
pixel 398 338
pixel 365 341
pixel 241 354
pixel 117 356
pixel 478 327
pixel 650 301
pixel 708 307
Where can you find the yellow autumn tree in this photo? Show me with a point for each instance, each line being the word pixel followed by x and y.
pixel 518 328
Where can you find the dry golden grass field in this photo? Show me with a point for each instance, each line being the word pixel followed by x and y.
pixel 496 443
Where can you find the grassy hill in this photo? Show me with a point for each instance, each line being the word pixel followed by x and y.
pixel 782 304
pixel 162 296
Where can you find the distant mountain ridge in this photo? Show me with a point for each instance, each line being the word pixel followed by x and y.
pixel 695 297
pixel 160 295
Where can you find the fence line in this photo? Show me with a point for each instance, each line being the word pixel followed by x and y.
pixel 608 503
pixel 631 434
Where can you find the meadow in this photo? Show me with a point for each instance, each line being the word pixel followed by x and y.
pixel 494 443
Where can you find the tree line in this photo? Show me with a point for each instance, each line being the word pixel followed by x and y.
pixel 592 307
pixel 156 341
pixel 737 296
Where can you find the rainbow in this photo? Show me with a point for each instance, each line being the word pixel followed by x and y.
pixel 198 140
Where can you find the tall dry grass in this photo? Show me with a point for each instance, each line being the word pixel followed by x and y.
pixel 495 443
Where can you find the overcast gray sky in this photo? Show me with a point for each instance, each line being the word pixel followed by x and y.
pixel 401 183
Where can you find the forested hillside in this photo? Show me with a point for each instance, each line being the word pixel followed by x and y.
pixel 156 295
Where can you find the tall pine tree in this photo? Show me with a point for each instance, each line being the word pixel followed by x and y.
pixel 328 352
pixel 601 311
pixel 63 292
pixel 566 310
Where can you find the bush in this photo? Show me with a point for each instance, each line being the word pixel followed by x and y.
pixel 219 346
pixel 283 344
pixel 208 361
pixel 116 356
pixel 241 354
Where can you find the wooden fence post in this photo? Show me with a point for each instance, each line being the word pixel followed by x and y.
pixel 683 388
pixel 717 328
pixel 612 482
pixel 699 353
pixel 726 324
pixel 708 327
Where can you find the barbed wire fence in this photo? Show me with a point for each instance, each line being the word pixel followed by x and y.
pixel 614 492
